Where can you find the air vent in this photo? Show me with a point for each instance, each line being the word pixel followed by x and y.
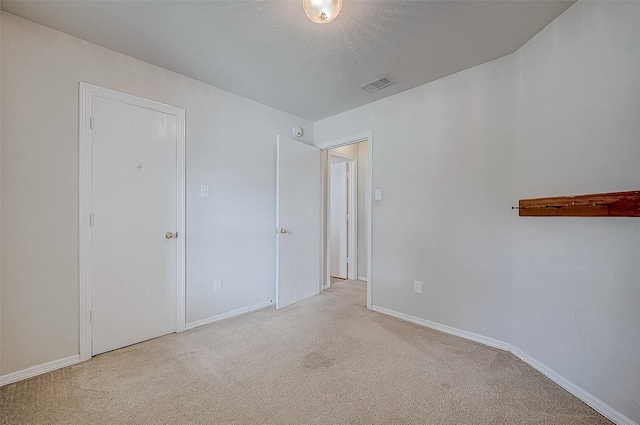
pixel 377 84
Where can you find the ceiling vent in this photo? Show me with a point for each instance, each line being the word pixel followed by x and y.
pixel 377 84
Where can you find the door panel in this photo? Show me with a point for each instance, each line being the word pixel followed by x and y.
pixel 338 219
pixel 298 243
pixel 134 202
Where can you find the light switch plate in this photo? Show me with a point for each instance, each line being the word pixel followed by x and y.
pixel 204 190
pixel 378 195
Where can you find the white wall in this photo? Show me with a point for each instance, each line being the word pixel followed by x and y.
pixel 576 292
pixel 445 216
pixel 558 117
pixel 230 145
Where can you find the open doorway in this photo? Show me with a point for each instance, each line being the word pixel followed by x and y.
pixel 342 214
pixel 346 212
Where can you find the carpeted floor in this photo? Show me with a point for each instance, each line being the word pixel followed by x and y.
pixel 326 360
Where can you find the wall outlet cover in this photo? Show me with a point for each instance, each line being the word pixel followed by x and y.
pixel 417 287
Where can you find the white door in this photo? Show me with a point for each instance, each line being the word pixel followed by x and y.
pixel 338 197
pixel 134 205
pixel 298 243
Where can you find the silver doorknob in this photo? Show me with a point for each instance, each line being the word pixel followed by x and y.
pixel 283 230
pixel 171 235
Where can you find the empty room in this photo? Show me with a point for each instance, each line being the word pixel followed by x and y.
pixel 319 212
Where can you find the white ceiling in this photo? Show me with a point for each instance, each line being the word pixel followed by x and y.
pixel 269 51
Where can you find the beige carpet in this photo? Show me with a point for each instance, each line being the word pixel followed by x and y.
pixel 326 360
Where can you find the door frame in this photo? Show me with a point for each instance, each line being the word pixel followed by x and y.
pixel 86 94
pixel 352 224
pixel 366 136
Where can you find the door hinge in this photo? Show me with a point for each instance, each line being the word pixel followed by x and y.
pixel 91 220
pixel 348 217
pixel 91 316
pixel 348 260
pixel 91 123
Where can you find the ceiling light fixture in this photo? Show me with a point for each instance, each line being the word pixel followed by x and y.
pixel 322 11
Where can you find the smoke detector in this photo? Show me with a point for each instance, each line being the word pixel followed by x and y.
pixel 377 84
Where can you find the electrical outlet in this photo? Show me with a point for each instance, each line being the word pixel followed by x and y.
pixel 217 285
pixel 417 287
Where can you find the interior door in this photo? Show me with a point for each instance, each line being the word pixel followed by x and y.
pixel 298 243
pixel 338 197
pixel 134 203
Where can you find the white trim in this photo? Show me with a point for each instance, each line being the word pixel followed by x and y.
pixel 343 141
pixel 366 136
pixel 38 370
pixel 369 203
pixel 446 329
pixel 598 405
pixel 595 403
pixel 353 220
pixel 325 280
pixel 362 278
pixel 277 281
pixel 229 314
pixel 85 203
pixel 86 93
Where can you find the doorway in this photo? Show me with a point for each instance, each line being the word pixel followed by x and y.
pixel 132 241
pixel 342 213
pixel 354 152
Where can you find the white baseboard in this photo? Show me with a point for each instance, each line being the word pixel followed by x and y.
pixel 38 370
pixel 68 361
pixel 363 278
pixel 596 404
pixel 228 315
pixel 446 329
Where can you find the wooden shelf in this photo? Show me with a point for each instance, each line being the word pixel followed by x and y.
pixel 615 204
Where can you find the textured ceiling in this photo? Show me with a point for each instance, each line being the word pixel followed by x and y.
pixel 269 51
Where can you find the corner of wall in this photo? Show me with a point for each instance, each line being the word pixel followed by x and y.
pixel 575 292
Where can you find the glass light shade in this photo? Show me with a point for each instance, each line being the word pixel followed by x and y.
pixel 322 11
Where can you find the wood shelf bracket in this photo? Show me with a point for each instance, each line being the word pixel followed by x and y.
pixel 614 204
